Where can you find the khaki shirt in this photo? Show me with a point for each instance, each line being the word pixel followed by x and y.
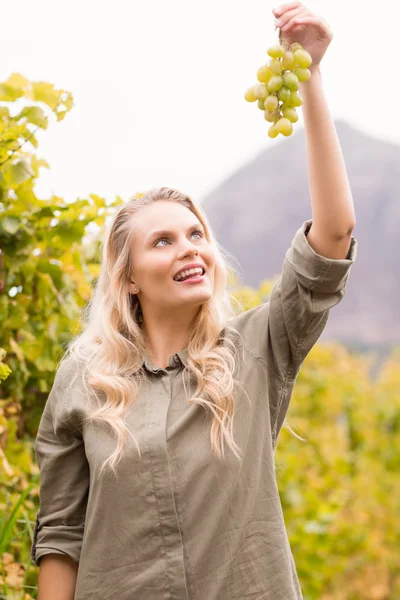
pixel 179 523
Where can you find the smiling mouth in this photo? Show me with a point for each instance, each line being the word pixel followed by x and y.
pixel 191 276
pixel 192 279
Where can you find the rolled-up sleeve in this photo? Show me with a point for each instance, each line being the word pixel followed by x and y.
pixel 64 477
pixel 309 286
pixel 283 330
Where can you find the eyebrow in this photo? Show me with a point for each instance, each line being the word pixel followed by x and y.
pixel 162 232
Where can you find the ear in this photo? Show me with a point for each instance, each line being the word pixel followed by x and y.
pixel 133 288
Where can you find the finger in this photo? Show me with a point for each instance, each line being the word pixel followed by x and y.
pixel 284 7
pixel 316 21
pixel 290 14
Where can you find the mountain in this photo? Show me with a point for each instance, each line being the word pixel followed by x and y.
pixel 255 213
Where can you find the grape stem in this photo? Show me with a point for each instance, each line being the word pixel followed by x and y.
pixel 284 44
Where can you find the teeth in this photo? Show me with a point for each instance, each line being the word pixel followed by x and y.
pixel 182 274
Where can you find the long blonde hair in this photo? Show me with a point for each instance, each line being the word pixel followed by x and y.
pixel 110 349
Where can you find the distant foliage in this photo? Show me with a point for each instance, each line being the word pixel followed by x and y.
pixel 46 277
pixel 339 489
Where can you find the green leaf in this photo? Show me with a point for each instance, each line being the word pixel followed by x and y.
pixel 18 316
pixel 6 533
pixel 8 93
pixel 69 232
pixel 35 115
pixel 46 211
pixel 3 308
pixel 10 225
pixel 33 347
pixel 19 172
pixel 33 141
pixel 98 200
pixel 37 163
pixel 44 364
pixel 4 371
pixel 40 162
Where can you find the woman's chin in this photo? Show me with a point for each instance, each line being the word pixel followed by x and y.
pixel 200 292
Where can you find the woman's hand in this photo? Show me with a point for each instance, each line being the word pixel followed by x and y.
pixel 298 24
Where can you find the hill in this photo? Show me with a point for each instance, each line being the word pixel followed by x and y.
pixel 256 212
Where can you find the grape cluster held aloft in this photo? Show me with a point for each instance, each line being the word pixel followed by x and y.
pixel 277 90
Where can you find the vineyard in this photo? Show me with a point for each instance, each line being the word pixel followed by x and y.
pixel 339 478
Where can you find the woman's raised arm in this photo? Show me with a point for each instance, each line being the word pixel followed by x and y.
pixel 333 215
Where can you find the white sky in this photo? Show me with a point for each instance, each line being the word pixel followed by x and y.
pixel 159 84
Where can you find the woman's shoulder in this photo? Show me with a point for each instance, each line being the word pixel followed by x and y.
pixel 69 395
pixel 69 370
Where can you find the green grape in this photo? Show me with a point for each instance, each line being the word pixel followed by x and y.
pixel 272 131
pixel 275 65
pixel 291 81
pixel 284 94
pixel 295 100
pixel 302 74
pixel 277 91
pixel 275 83
pixel 261 91
pixel 276 51
pixel 291 114
pixel 284 126
pixel 264 74
pixel 271 103
pixel 272 116
pixel 296 46
pixel 250 95
pixel 302 58
pixel 288 60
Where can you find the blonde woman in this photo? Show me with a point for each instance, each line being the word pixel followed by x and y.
pixel 156 445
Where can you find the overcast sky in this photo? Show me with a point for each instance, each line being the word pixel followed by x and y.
pixel 159 84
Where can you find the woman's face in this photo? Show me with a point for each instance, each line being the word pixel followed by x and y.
pixel 157 257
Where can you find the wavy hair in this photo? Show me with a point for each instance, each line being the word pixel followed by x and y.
pixel 111 346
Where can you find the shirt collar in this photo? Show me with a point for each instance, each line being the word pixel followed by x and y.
pixel 173 361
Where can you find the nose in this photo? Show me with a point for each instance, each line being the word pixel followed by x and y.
pixel 188 248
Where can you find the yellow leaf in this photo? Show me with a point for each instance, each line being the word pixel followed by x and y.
pixel 19 81
pixel 16 349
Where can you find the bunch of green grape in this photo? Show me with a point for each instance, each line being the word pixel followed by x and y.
pixel 277 90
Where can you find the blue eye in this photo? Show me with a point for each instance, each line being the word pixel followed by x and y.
pixel 199 231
